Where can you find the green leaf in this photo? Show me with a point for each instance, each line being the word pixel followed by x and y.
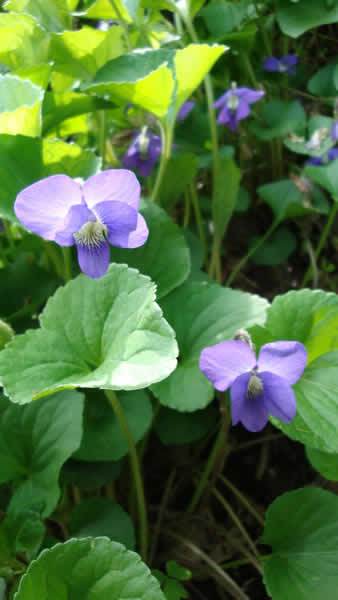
pixel 211 313
pixel 89 476
pixel 24 160
pixel 222 17
pixel 319 139
pixel 302 528
pixel 102 437
pixel 326 176
pixel 176 428
pixel 46 434
pixel 80 54
pixel 20 533
pixel 323 82
pixel 325 463
pixel 310 317
pixel 6 333
pixel 165 257
pixel 102 517
pixel 180 172
pixel 125 10
pixel 289 201
pixel 226 194
pixel 22 41
pixel 59 107
pixel 93 566
pixel 277 249
pixel 112 336
pixel 156 79
pixel 294 18
pixel 53 15
pixel 278 118
pixel 20 106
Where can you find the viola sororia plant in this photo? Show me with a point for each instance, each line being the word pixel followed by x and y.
pixel 168 299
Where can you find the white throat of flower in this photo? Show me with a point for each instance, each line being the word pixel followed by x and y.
pixel 233 100
pixel 91 234
pixel 255 385
pixel 282 68
pixel 143 142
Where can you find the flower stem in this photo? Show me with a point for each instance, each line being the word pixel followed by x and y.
pixel 167 139
pixel 252 250
pixel 135 469
pixel 198 216
pixel 217 448
pixel 323 239
pixel 67 262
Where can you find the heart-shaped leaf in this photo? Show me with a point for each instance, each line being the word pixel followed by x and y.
pixel 326 176
pixel 278 118
pixel 94 567
pixel 324 462
pixel 156 79
pixel 53 15
pixel 295 18
pixel 20 107
pixel 112 336
pixel 101 517
pixel 23 43
pixel 288 200
pixel 302 528
pixel 46 434
pixel 211 314
pixel 165 257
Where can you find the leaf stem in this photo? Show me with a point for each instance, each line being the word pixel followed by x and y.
pixel 167 140
pixel 252 250
pixel 135 469
pixel 323 240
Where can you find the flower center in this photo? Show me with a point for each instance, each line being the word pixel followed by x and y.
pixel 255 386
pixel 91 234
pixel 233 102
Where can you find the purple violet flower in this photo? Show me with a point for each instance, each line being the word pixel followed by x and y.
pixel 334 131
pixel 258 387
pixel 102 211
pixel 235 105
pixel 284 64
pixel 185 110
pixel 143 153
pixel 318 161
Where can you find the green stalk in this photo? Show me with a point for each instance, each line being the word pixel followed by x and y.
pixel 198 216
pixel 323 239
pixel 67 261
pixel 204 479
pixel 252 250
pixel 135 469
pixel 167 140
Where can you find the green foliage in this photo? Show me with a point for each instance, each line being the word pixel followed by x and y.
pixel 279 118
pixel 277 249
pixel 46 434
pixel 325 463
pixel 101 517
pixel 295 18
pixel 288 200
pixel 211 314
pixel 175 428
pixel 113 336
pixel 105 568
pixel 165 257
pixel 20 106
pixel 227 189
pixel 304 545
pixel 326 176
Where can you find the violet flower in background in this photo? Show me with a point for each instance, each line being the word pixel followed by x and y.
pixel 258 387
pixel 284 64
pixel 334 131
pixel 185 110
pixel 143 153
pixel 235 104
pixel 323 160
pixel 102 211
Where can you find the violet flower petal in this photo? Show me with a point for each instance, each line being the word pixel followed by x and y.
pixel 119 185
pixel 290 60
pixel 285 359
pixel 221 101
pixel 77 216
pixel 271 64
pixel 279 397
pixel 93 260
pixel 185 110
pixel 224 362
pixel 243 110
pixel 139 236
pixel 118 217
pixel 43 206
pixel 250 411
